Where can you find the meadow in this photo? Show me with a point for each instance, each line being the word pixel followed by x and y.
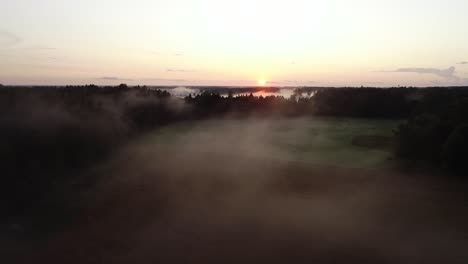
pixel 321 141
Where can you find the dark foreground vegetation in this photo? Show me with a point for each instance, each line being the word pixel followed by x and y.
pixel 436 132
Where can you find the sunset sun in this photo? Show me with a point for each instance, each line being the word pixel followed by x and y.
pixel 261 82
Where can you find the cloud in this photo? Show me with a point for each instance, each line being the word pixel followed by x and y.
pixel 374 83
pixel 295 82
pixel 448 74
pixel 155 80
pixel 48 64
pixel 176 54
pixel 9 39
pixel 153 52
pixel 458 82
pixel 179 70
pixel 39 47
pixel 291 83
pixel 463 62
pixel 106 78
pixel 463 81
pixel 163 80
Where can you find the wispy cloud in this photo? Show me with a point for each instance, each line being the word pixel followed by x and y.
pixel 458 82
pixel 163 80
pixel 374 83
pixel 49 64
pixel 161 53
pixel 9 39
pixel 143 80
pixel 39 47
pixel 448 74
pixel 107 78
pixel 463 62
pixel 179 70
pixel 292 83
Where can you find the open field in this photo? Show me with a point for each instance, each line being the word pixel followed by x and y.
pixel 322 141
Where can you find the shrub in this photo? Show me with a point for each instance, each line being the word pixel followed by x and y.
pixel 455 150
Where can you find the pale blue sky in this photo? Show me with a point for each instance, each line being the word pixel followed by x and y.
pixel 215 42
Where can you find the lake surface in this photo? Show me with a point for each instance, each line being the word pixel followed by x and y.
pixel 183 91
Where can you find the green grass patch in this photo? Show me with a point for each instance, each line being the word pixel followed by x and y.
pixel 325 141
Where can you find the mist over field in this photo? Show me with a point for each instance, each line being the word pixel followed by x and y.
pixel 143 180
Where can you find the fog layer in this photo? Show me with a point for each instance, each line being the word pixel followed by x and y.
pixel 227 195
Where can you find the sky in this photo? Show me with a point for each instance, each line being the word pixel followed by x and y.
pixel 214 42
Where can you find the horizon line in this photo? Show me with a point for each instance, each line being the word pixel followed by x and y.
pixel 226 86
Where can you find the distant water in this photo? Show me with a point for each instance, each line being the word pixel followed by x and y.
pixel 183 91
pixel 285 92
